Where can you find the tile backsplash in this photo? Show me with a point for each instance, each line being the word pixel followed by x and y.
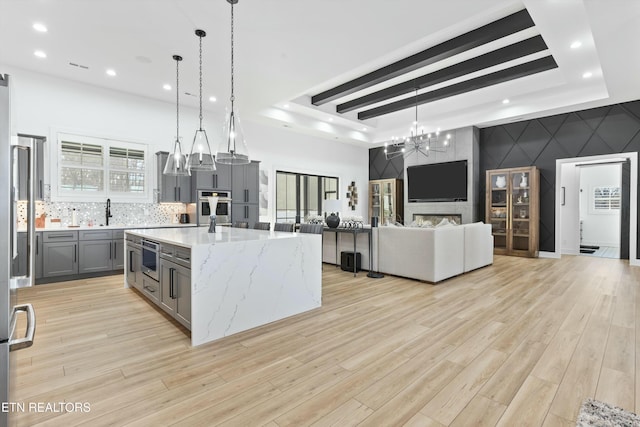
pixel 122 213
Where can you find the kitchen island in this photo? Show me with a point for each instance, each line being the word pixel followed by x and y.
pixel 239 278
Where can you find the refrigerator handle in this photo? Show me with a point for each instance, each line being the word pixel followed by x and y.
pixel 27 145
pixel 27 340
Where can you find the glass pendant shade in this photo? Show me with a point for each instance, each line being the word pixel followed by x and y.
pixel 200 158
pixel 176 161
pixel 233 148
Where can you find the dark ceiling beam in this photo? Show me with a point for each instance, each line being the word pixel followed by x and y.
pixel 490 59
pixel 493 31
pixel 512 73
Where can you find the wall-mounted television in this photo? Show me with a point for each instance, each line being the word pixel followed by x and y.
pixel 438 182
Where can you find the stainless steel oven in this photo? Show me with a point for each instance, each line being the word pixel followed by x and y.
pixel 223 210
pixel 151 259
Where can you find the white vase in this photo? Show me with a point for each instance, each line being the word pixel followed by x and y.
pixel 523 181
pixel 501 181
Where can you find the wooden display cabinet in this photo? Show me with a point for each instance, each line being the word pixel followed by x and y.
pixel 512 209
pixel 386 200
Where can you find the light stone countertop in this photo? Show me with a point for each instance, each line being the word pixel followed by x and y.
pixel 111 227
pixel 199 236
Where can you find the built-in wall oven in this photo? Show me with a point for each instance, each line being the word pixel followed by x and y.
pixel 223 210
pixel 151 259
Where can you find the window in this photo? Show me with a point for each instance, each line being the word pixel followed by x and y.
pixel 606 199
pixel 299 195
pixel 94 169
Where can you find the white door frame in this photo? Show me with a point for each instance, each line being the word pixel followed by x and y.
pixel 633 202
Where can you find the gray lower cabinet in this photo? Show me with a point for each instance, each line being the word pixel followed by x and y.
pixel 100 250
pixel 176 291
pixel 151 289
pixel 39 255
pixel 134 271
pixel 60 258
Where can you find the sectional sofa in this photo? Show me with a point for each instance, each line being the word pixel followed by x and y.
pixel 434 254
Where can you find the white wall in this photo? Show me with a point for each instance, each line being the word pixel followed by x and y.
pixel 598 228
pixel 570 212
pixel 43 105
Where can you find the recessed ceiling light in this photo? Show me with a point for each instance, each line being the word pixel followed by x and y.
pixel 505 101
pixel 587 75
pixel 576 44
pixel 41 28
pixel 212 99
pixel 364 129
pixel 166 87
pixel 330 119
pixel 111 72
pixel 286 105
pixel 40 54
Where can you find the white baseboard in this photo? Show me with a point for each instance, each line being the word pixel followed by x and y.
pixel 543 254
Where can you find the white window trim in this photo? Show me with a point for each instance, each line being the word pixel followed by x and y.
pixel 592 201
pixel 62 196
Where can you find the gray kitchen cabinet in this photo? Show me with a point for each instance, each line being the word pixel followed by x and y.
pixel 245 185
pixel 101 250
pixel 151 289
pixel 175 283
pixel 245 212
pixel 133 272
pixel 23 171
pixel 39 256
pixel 19 264
pixel 118 250
pixel 60 258
pixel 172 189
pixel 219 179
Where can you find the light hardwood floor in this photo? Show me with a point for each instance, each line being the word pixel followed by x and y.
pixel 521 342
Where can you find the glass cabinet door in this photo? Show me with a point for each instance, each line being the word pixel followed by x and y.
pixel 375 199
pixel 388 202
pixel 520 210
pixel 498 208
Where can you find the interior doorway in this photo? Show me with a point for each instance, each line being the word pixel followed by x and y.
pixel 600 205
pixel 595 208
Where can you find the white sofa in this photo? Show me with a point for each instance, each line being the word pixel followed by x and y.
pixel 434 254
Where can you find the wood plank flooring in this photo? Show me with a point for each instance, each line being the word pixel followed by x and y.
pixel 521 342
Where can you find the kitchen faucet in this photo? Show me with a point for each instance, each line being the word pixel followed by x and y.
pixel 108 213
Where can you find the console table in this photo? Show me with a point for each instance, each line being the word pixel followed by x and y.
pixel 354 232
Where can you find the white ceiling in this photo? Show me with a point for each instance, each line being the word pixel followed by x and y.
pixel 288 50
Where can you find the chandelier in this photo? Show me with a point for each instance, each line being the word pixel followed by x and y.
pixel 417 142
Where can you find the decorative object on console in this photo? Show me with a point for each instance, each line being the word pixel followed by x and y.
pixel 315 219
pixel 352 195
pixel 234 150
pixel 200 157
pixel 352 222
pixel 332 207
pixel 417 143
pixel 177 161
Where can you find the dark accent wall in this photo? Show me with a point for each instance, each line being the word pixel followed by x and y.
pixel 540 142
pixel 381 168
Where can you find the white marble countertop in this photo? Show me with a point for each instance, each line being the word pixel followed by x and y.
pixel 199 236
pixel 112 227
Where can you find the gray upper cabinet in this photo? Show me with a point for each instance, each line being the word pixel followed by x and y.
pixel 23 171
pixel 245 183
pixel 172 188
pixel 219 179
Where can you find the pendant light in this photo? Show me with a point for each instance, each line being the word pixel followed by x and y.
pixel 233 149
pixel 200 158
pixel 177 161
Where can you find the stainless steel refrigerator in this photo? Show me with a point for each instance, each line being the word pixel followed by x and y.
pixel 16 183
